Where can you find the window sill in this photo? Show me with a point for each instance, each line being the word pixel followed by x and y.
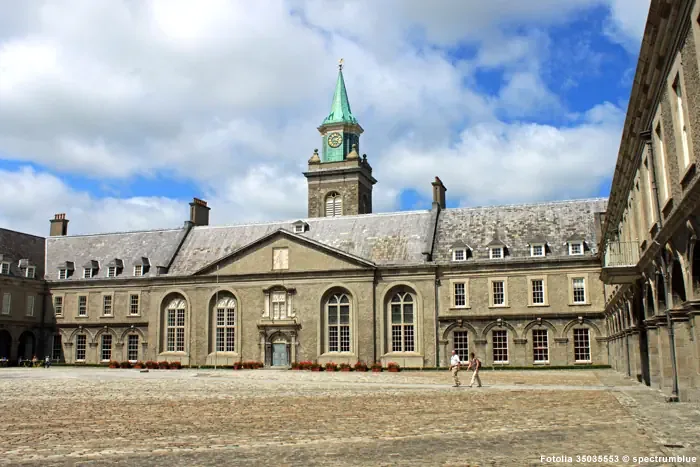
pixel 583 362
pixel 173 353
pixel 538 305
pixel 543 363
pixel 82 317
pixel 338 353
pixel 579 304
pixel 507 362
pixel 687 174
pixel 106 316
pixel 464 307
pixel 499 306
pixel 134 316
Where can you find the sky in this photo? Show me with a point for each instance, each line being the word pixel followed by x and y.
pixel 119 112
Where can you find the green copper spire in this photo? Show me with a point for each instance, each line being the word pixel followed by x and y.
pixel 340 110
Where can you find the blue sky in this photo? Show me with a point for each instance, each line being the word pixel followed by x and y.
pixel 119 115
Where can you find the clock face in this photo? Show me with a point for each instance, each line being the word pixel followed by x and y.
pixel 335 140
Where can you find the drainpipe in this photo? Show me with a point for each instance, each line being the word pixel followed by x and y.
pixel 42 326
pixel 671 336
pixel 646 136
pixel 437 310
pixel 374 316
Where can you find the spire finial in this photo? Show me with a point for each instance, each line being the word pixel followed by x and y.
pixel 340 64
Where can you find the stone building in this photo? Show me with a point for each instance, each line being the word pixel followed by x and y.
pixel 652 222
pixel 518 285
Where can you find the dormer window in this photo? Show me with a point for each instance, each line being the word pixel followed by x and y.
pixel 460 251
pixel 90 269
pixel 141 266
pixel 62 273
pixel 87 273
pixel 537 249
pixel 496 252
pixel 300 227
pixel 65 269
pixel 112 271
pixel 5 268
pixel 31 272
pixel 575 248
pixel 114 267
pixel 138 270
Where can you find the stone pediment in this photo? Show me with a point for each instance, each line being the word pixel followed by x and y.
pixel 281 252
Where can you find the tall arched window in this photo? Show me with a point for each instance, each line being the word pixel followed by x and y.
pixel 175 325
pixel 402 327
pixel 334 204
pixel 338 319
pixel 226 325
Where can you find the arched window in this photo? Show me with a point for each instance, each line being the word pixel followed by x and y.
pixel 80 347
pixel 402 327
pixel 175 326
pixel 132 347
pixel 334 204
pixel 338 319
pixel 226 325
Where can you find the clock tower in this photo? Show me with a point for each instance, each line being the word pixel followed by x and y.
pixel 339 180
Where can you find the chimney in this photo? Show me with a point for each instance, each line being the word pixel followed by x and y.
pixel 439 193
pixel 59 225
pixel 599 221
pixel 199 212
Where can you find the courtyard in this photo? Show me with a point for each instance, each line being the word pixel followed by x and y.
pixel 95 416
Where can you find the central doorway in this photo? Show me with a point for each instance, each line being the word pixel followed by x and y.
pixel 280 354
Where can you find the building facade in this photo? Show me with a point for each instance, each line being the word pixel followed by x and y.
pixel 519 285
pixel 649 256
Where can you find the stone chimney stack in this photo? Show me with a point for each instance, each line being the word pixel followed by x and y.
pixel 439 193
pixel 59 225
pixel 199 212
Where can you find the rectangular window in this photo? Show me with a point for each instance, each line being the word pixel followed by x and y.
pixel 112 271
pixel 87 273
pixel 579 289
pixel 62 274
pixel 496 253
pixel 133 304
pixel 499 295
pixel 82 305
pixel 537 250
pixel 107 305
pixel 461 344
pixel 225 329
pixel 681 121
pixel 298 229
pixel 279 305
pixel 5 268
pixel 460 294
pixel 80 346
pixel 176 330
pixel 538 292
pixel 6 303
pixel 31 272
pixel 58 306
pixel 661 178
pixel 30 305
pixel 575 248
pixel 280 258
pixel 500 346
pixel 459 254
pixel 540 345
pixel 132 347
pixel 56 348
pixel 106 350
pixel 582 345
pixel 138 270
pixel 650 201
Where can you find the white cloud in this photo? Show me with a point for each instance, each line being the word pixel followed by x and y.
pixel 228 95
pixel 626 22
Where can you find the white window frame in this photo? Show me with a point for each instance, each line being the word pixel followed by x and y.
pixel 137 304
pixel 31 272
pixel 107 308
pixel 587 347
pixel 402 334
pixel 540 347
pixel 5 268
pixel 106 338
pixel 58 307
pixel 460 343
pixel 537 245
pixel 278 304
pixel 82 347
pixel 658 135
pixel 342 343
pixel 455 255
pixel 501 252
pixel 572 289
pixel 62 274
pixel 138 270
pixel 531 291
pixel 112 271
pixel 500 347
pixel 82 315
pixel 679 107
pixel 176 326
pixel 87 273
pixel 30 305
pixel 491 282
pixel 7 303
pixel 129 348
pixel 334 201
pixel 453 292
pixel 225 317
pixel 299 228
pixel 579 243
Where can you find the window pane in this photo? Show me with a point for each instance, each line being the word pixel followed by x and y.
pixel 408 313
pixel 332 315
pixel 461 344
pixel 344 314
pixel 395 314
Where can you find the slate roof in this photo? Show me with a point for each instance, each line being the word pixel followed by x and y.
pixel 386 238
pixel 517 226
pixel 15 246
pixel 157 245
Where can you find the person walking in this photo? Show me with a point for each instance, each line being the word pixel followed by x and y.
pixel 455 364
pixel 475 365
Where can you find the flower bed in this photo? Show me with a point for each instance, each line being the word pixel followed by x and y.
pixel 376 367
pixel 360 366
pixel 393 367
pixel 330 366
pixel 344 367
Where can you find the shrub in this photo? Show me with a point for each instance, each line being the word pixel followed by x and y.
pixel 330 366
pixel 175 366
pixel 151 365
pixel 360 366
pixel 393 366
pixel 237 366
pixel 113 364
pixel 295 366
pixel 125 364
pixel 315 367
pixel 163 365
pixel 376 366
pixel 139 365
pixel 344 367
pixel 305 365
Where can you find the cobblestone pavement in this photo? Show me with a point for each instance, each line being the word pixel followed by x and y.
pixel 70 416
